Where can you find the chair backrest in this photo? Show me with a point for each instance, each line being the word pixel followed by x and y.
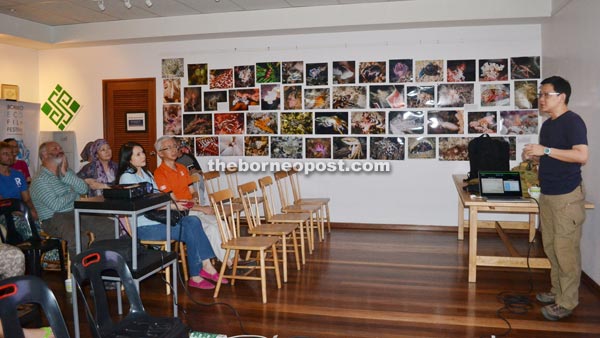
pixel 295 182
pixel 248 194
pixel 266 187
pixel 212 181
pixel 222 203
pixel 89 266
pixel 19 290
pixel 9 206
pixel 283 188
pixel 231 174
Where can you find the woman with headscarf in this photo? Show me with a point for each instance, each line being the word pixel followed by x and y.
pixel 100 172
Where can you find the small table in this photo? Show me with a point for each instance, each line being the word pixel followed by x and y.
pixel 478 205
pixel 133 208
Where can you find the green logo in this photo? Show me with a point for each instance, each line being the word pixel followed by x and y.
pixel 60 107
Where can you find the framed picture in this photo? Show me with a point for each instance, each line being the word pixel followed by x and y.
pixel 135 121
pixel 10 92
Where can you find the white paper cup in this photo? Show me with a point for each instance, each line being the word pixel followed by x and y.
pixel 68 285
pixel 534 192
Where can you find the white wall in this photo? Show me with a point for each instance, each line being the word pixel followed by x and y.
pixel 415 192
pixel 570 49
pixel 19 66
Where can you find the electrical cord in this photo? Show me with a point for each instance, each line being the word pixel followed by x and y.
pixel 515 303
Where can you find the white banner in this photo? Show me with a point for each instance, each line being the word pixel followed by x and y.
pixel 21 121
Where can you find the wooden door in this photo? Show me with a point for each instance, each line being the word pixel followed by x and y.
pixel 130 115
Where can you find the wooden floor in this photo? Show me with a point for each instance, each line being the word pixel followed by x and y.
pixel 376 283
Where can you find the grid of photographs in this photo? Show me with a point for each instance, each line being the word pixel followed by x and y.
pixel 396 109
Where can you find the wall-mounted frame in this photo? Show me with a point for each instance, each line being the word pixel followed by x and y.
pixel 135 122
pixel 10 92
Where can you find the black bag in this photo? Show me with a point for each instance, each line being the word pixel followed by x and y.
pixel 488 154
pixel 160 216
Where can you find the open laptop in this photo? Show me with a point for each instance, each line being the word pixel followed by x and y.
pixel 501 186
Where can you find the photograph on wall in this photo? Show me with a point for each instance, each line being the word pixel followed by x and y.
pixel 192 99
pixel 212 99
pixel 367 122
pixel 197 124
pixel 261 123
pixel 286 147
pixel 292 72
pixel 171 90
pixel 350 148
pixel 372 72
pixel 421 147
pixel 197 74
pixel 525 67
pixel 482 122
pixel 187 145
pixel 429 70
pixel 292 97
pixel 526 94
pixel 316 98
pixel 420 96
pixel 495 95
pixel 317 74
pixel 406 122
pixel 460 70
pixel 455 94
pixel 401 70
pixel 270 96
pixel 256 146
pixel 243 76
pixel 268 72
pixel 386 96
pixel 242 99
pixel 331 123
pixel 172 119
pixel 317 147
pixel 231 146
pixel 343 72
pixel 445 122
pixel 296 123
pixel 221 78
pixel 229 123
pixel 386 148
pixel 493 69
pixel 349 97
pixel 454 148
pixel 207 146
pixel 519 122
pixel 172 68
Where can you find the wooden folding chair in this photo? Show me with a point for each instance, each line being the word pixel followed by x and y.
pixel 221 201
pixel 298 199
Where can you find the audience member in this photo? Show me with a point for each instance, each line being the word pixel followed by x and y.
pixel 100 172
pixel 19 165
pixel 188 160
pixel 12 182
pixel 132 169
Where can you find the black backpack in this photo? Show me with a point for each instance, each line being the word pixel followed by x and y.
pixel 488 154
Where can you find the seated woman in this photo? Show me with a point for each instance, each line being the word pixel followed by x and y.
pixel 132 169
pixel 18 165
pixel 100 172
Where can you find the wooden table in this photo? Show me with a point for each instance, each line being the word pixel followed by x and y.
pixel 477 205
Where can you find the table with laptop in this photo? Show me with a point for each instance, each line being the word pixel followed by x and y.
pixel 499 193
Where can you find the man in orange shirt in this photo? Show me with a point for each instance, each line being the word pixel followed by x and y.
pixel 175 179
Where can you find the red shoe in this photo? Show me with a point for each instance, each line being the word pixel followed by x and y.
pixel 214 277
pixel 203 284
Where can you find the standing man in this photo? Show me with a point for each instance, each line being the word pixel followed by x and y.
pixel 54 190
pixel 562 150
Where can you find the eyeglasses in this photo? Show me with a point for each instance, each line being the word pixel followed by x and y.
pixel 547 95
pixel 169 148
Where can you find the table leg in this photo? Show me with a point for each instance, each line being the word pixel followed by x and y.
pixel 461 220
pixel 472 244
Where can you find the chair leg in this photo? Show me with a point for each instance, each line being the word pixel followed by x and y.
pixel 328 219
pixel 284 258
pixel 295 243
pixel 184 263
pixel 263 276
pixel 222 272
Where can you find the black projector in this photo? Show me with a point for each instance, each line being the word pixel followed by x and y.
pixel 127 191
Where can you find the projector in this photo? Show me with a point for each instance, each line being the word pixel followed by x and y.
pixel 128 191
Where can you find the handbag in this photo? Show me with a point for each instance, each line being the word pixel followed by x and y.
pixel 160 216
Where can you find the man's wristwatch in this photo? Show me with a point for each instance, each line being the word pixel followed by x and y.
pixel 547 151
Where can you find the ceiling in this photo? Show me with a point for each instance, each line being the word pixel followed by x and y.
pixel 70 12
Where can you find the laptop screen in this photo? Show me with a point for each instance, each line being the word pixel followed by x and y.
pixel 500 184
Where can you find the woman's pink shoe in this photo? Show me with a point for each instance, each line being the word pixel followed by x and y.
pixel 214 277
pixel 203 284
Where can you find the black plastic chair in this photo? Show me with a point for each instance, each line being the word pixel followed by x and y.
pixel 27 289
pixel 90 266
pixel 34 246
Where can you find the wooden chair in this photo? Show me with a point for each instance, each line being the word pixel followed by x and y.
pixel 298 199
pixel 251 204
pixel 221 201
pixel 304 220
pixel 212 184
